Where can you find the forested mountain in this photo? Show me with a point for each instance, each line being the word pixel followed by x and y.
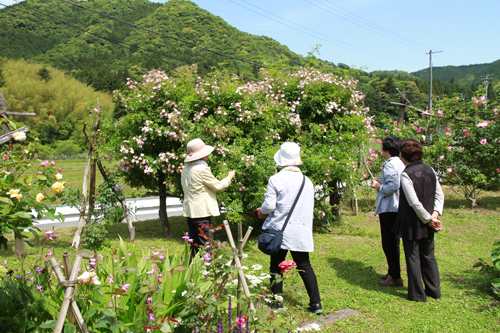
pixel 68 37
pixel 471 75
pixel 102 52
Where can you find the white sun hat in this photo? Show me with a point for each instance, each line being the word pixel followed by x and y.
pixel 289 154
pixel 197 149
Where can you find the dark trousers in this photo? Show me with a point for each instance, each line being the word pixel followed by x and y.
pixel 422 265
pixel 305 270
pixel 200 232
pixel 390 244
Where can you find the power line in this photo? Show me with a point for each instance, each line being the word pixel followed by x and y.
pixel 376 26
pixel 164 35
pixel 336 41
pixel 358 24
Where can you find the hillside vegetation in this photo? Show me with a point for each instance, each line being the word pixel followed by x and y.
pixel 61 102
pixel 103 53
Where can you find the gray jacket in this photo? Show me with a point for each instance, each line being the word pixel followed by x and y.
pixel 388 193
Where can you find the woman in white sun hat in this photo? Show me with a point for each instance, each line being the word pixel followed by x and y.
pixel 282 190
pixel 199 186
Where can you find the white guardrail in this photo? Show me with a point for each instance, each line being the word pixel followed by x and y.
pixel 143 208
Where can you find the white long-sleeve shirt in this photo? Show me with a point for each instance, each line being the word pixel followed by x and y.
pixel 281 192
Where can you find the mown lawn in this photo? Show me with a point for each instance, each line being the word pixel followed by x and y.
pixel 349 261
pixel 74 168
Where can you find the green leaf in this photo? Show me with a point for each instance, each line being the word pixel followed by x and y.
pixel 180 268
pixel 41 177
pixel 24 215
pixel 69 328
pixel 48 324
pixel 6 200
pixel 89 313
pixel 109 312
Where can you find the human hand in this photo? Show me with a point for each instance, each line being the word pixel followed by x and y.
pixel 435 224
pixel 376 184
pixel 231 174
pixel 435 215
pixel 260 215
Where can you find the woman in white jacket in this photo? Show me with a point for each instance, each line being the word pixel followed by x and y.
pixel 281 192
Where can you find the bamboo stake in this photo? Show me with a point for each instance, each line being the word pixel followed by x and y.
pixel 67 272
pixel 68 297
pixel 238 264
pixel 240 255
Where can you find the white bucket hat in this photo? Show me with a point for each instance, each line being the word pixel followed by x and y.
pixel 289 154
pixel 197 149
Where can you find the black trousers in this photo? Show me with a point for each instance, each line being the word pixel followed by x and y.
pixel 199 231
pixel 390 244
pixel 422 265
pixel 305 270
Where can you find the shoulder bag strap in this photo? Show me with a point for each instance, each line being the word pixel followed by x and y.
pixel 294 203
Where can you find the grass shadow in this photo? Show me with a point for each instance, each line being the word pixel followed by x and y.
pixel 361 275
pixel 473 283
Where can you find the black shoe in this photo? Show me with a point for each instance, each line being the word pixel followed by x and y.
pixel 315 308
pixel 385 277
pixel 390 282
pixel 275 305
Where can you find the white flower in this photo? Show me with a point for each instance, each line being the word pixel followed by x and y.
pixel 257 267
pixel 278 298
pixel 95 281
pixel 58 176
pixel 13 192
pixel 244 267
pixel 19 136
pixel 173 291
pixel 184 293
pixel 84 278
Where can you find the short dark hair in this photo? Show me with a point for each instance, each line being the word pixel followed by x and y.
pixel 411 150
pixel 391 144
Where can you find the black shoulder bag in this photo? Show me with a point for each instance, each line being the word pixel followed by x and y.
pixel 270 240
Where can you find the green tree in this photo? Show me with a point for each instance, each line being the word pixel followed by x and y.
pixel 44 74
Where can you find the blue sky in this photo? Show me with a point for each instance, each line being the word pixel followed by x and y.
pixel 372 34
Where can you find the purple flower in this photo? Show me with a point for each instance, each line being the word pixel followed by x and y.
pixel 39 288
pixel 186 238
pixel 111 279
pixel 30 278
pixel 125 287
pixel 206 257
pixel 93 262
pixel 148 300
pixel 18 277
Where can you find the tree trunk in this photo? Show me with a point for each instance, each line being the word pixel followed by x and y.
pixel 473 202
pixel 335 198
pixel 163 204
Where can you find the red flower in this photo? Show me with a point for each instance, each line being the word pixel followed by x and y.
pixel 287 265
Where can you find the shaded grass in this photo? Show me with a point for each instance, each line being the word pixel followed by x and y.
pixel 349 262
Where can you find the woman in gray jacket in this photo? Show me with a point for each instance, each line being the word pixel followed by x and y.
pixel 281 192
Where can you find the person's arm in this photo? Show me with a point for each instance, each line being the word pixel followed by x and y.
pixel 412 198
pixel 213 183
pixel 391 178
pixel 269 204
pixel 438 200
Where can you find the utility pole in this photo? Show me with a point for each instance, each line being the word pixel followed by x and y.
pixel 487 81
pixel 430 76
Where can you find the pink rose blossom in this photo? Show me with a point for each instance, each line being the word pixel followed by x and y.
pixel 484 141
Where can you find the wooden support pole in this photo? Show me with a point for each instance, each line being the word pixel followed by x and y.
pixel 67 272
pixel 238 264
pixel 68 296
pixel 403 99
pixel 240 255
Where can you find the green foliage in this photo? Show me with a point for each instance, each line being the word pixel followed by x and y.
pixel 44 74
pixel 493 269
pixel 461 142
pixel 94 235
pixel 318 111
pixel 24 188
pixel 22 309
pixel 61 105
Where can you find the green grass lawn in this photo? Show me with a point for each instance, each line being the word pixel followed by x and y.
pixel 349 261
pixel 74 168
